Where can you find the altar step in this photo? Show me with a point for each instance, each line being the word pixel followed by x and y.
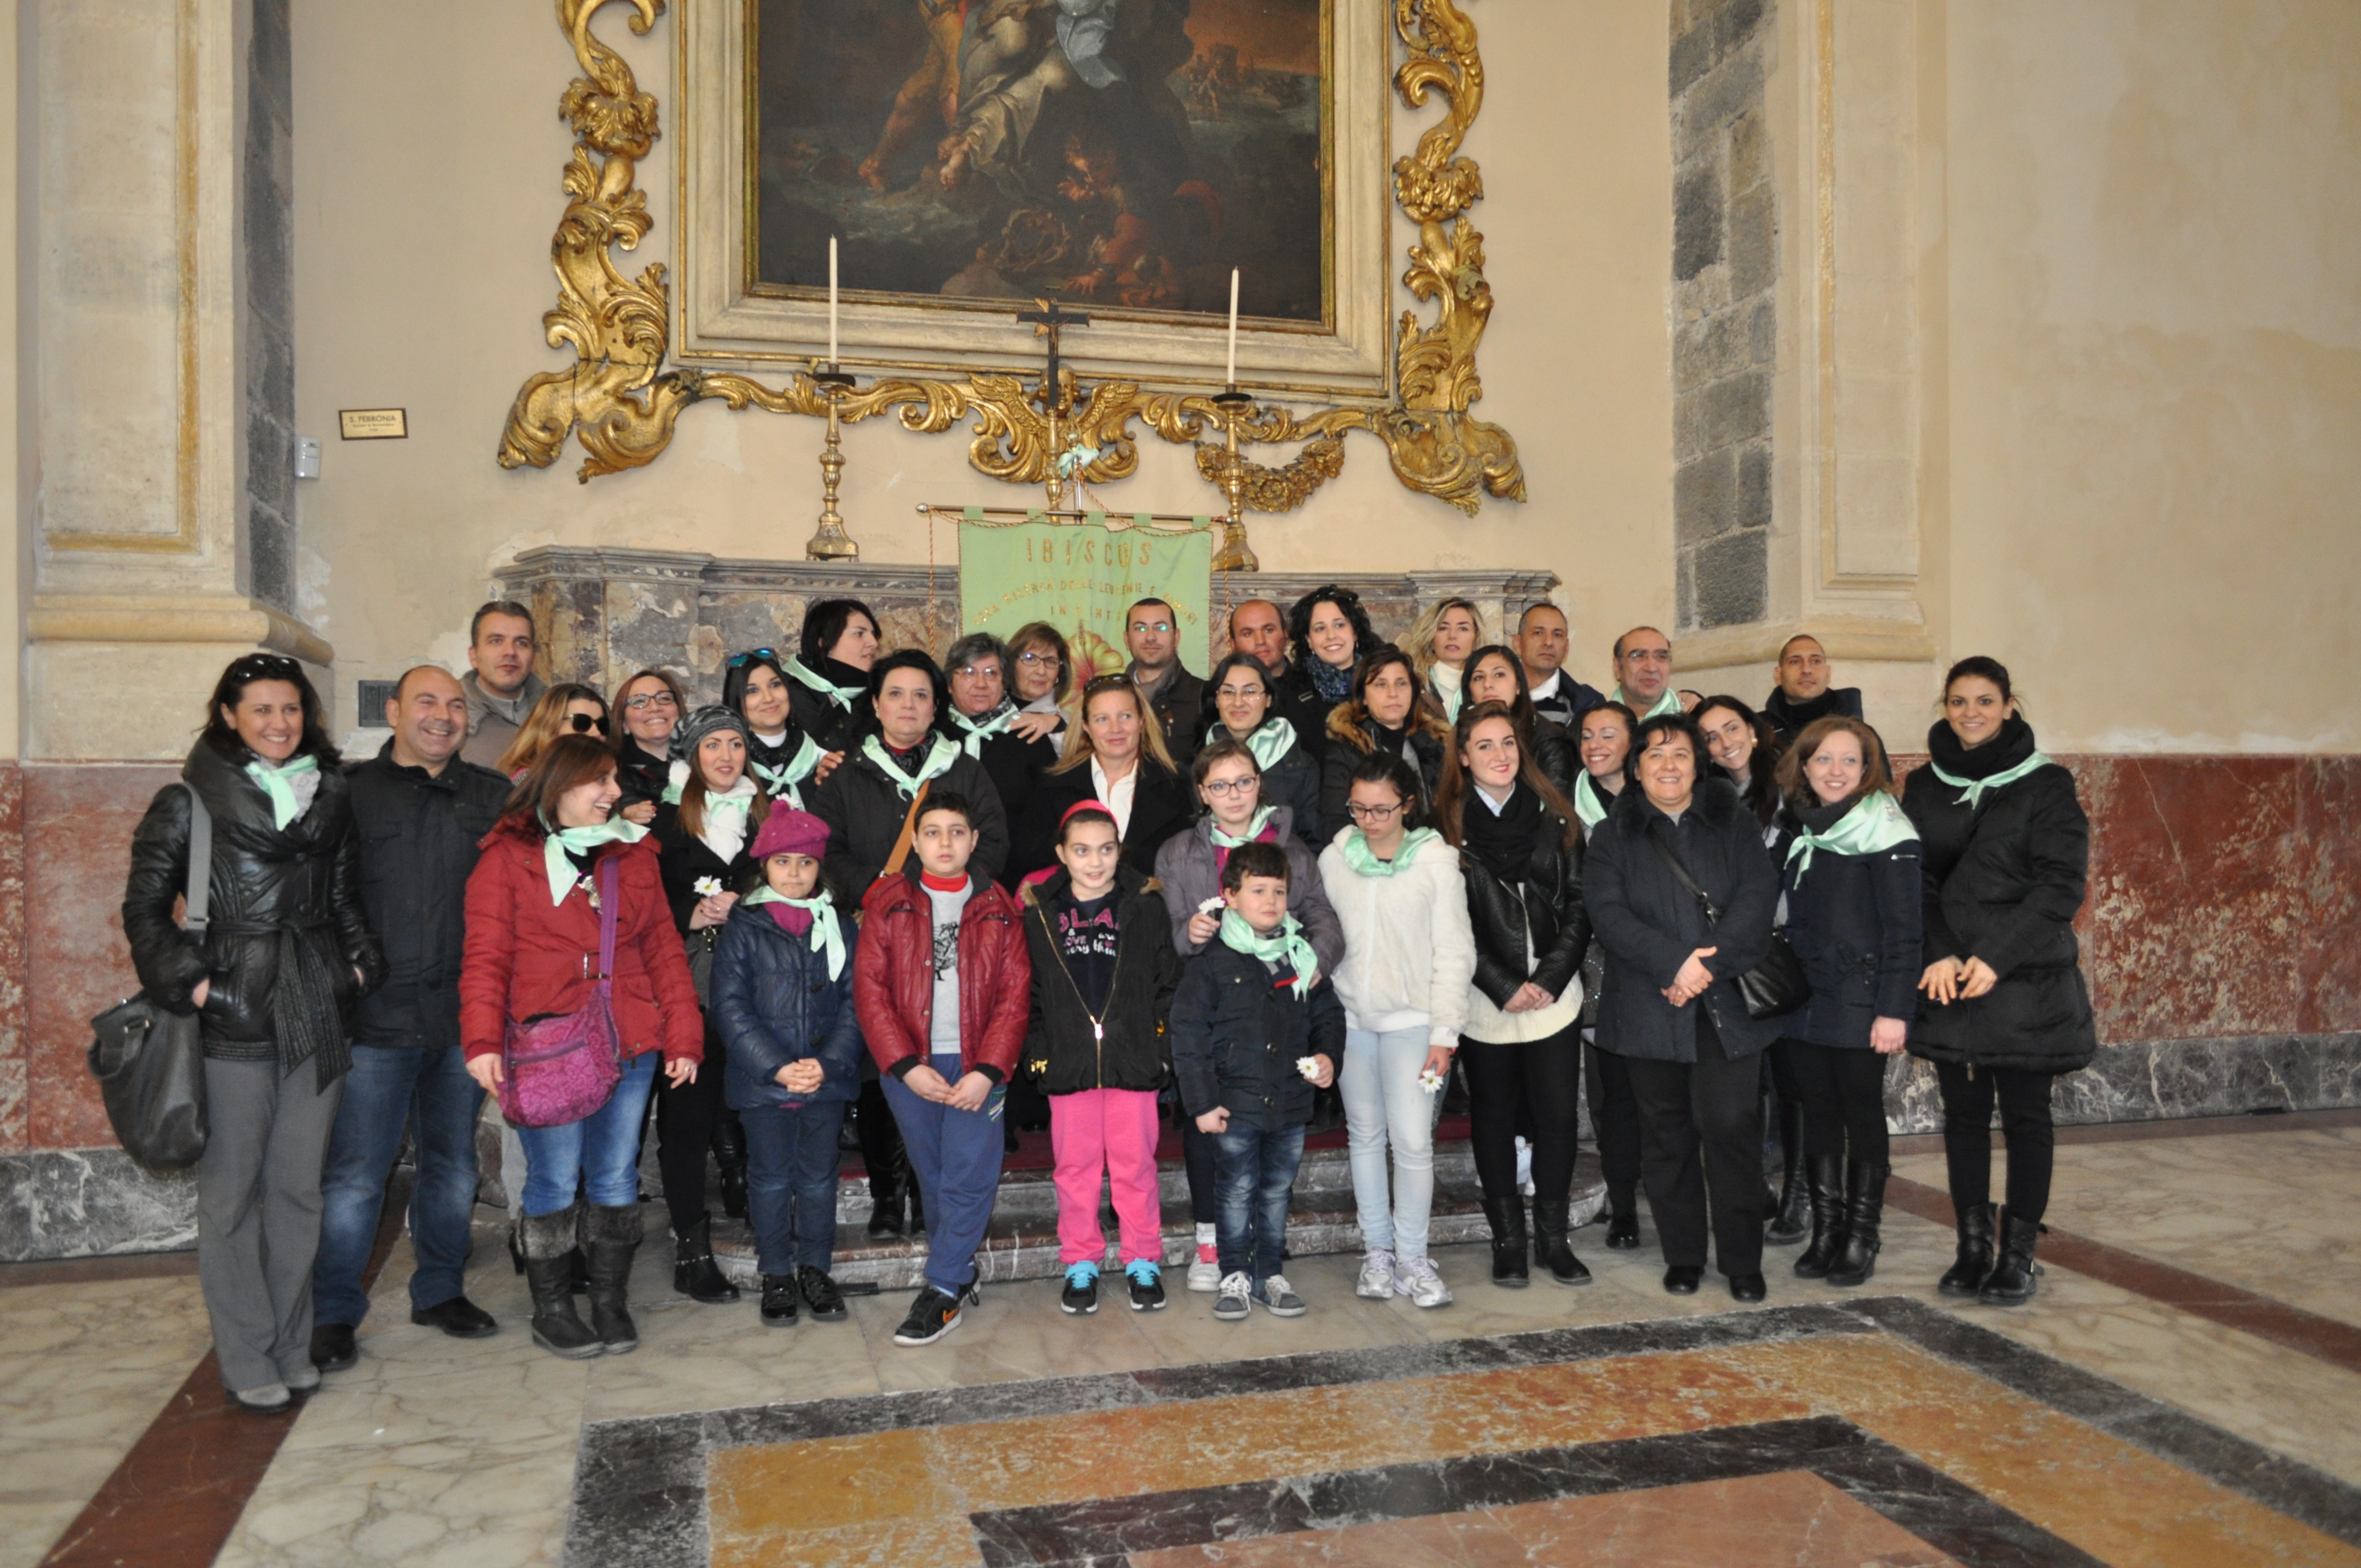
pixel 1021 1240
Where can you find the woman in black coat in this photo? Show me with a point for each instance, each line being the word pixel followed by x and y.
pixel 1521 855
pixel 1328 634
pixel 285 955
pixel 649 707
pixel 1671 1006
pixel 1238 704
pixel 1387 712
pixel 782 757
pixel 1604 736
pixel 2008 857
pixel 1116 744
pixel 1495 674
pixel 830 674
pixel 1853 886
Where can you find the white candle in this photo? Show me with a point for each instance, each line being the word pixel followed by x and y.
pixel 831 302
pixel 1231 378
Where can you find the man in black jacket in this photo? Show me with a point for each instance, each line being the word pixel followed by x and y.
pixel 420 810
pixel 1152 628
pixel 1807 690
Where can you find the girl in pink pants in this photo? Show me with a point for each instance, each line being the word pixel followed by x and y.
pixel 1103 975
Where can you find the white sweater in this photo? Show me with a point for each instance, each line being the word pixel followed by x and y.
pixel 1410 953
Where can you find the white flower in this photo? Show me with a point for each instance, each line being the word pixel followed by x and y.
pixel 709 887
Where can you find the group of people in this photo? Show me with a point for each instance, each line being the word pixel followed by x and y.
pixel 932 898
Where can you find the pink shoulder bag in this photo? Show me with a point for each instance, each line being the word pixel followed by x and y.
pixel 561 1070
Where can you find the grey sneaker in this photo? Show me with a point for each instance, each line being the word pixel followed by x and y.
pixel 1377 1281
pixel 1279 1300
pixel 1235 1301
pixel 1417 1280
pixel 266 1400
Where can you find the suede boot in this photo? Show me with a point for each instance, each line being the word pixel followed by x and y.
pixel 1550 1249
pixel 1792 1221
pixel 1507 1218
pixel 1864 1212
pixel 1824 1179
pixel 1974 1264
pixel 611 1237
pixel 546 1245
pixel 694 1273
pixel 2011 1282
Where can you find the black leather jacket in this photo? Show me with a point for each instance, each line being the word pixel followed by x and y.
pixel 1546 897
pixel 417 835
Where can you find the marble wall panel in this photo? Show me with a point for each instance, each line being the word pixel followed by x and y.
pixel 2327 937
pixel 16 1043
pixel 89 1203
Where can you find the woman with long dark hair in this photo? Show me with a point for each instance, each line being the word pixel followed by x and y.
pixel 286 954
pixel 1240 695
pixel 1328 634
pixel 838 647
pixel 1385 713
pixel 1603 734
pixel 784 758
pixel 1495 674
pixel 2007 851
pixel 1521 854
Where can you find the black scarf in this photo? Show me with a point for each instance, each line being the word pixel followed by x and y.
pixel 1820 818
pixel 1501 843
pixel 1997 755
pixel 1793 716
pixel 1333 685
pixel 1392 742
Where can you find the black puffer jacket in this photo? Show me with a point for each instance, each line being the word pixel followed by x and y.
pixel 644 778
pixel 287 928
pixel 1854 921
pixel 2003 883
pixel 1014 765
pixel 774 1003
pixel 1060 1052
pixel 1544 896
pixel 1236 1036
pixel 1351 737
pixel 864 811
pixel 1649 924
pixel 816 715
pixel 418 833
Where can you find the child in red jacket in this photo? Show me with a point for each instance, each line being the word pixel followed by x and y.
pixel 943 990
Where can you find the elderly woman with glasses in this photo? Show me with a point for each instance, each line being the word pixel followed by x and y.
pixel 984 721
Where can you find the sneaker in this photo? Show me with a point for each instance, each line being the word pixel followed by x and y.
pixel 1205 1270
pixel 302 1380
pixel 1280 1298
pixel 1377 1281
pixel 778 1301
pixel 1235 1301
pixel 1081 1292
pixel 932 1316
pixel 821 1294
pixel 1146 1284
pixel 1417 1280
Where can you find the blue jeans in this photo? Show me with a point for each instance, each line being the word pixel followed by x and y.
pixel 1255 1173
pixel 791 1161
pixel 600 1154
pixel 955 1155
pixel 391 1087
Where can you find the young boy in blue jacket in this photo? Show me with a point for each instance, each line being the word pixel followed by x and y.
pixel 1255 1028
pixel 782 1003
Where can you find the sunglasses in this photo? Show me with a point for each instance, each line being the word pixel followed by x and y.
pixel 739 661
pixel 582 723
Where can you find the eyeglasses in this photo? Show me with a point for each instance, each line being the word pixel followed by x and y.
pixel 1360 813
pixel 978 672
pixel 1042 661
pixel 582 723
pixel 1231 786
pixel 646 700
pixel 739 661
pixel 1243 691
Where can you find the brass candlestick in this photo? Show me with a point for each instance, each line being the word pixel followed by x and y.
pixel 831 542
pixel 1235 555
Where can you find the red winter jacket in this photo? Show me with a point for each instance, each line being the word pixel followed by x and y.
pixel 893 976
pixel 526 957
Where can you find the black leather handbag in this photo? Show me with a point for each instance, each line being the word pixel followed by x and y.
pixel 149 1060
pixel 1772 988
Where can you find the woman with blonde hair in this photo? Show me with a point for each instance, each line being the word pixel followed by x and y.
pixel 567 708
pixel 1440 643
pixel 1116 756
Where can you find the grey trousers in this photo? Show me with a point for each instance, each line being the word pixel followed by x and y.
pixel 258 1215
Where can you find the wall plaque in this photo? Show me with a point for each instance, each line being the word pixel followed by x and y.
pixel 373 424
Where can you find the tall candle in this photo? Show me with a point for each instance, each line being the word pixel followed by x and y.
pixel 831 302
pixel 1231 378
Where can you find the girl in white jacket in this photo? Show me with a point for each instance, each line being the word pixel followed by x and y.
pixel 1409 956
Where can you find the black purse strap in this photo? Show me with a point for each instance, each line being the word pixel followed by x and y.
pixel 201 864
pixel 1681 873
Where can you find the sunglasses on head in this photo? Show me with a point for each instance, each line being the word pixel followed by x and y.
pixel 739 661
pixel 1107 683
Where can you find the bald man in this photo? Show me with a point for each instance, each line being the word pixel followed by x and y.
pixel 1806 688
pixel 1540 641
pixel 419 808
pixel 1259 627
pixel 1644 674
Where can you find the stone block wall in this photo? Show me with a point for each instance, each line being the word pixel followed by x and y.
pixel 1725 266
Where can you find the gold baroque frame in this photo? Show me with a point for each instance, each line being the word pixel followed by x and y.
pixel 622 403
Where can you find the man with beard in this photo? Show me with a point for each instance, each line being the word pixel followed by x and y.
pixel 1805 692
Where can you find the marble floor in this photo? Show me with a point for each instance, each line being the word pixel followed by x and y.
pixel 1879 1425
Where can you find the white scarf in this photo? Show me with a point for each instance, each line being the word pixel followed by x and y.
pixel 726 817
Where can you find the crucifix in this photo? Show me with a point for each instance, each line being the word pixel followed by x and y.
pixel 1047 318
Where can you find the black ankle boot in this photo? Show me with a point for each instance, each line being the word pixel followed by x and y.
pixel 729 1155
pixel 1508 1222
pixel 915 1203
pixel 886 1186
pixel 613 1236
pixel 546 1243
pixel 1864 1212
pixel 1793 1220
pixel 2010 1284
pixel 1967 1275
pixel 1623 1229
pixel 1551 1249
pixel 1824 1179
pixel 694 1273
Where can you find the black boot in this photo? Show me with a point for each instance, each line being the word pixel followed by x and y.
pixel 1824 1177
pixel 1864 1211
pixel 516 1250
pixel 885 1189
pixel 546 1243
pixel 729 1155
pixel 611 1237
pixel 2010 1284
pixel 778 1301
pixel 1623 1228
pixel 694 1273
pixel 1793 1220
pixel 1508 1222
pixel 1967 1275
pixel 1551 1249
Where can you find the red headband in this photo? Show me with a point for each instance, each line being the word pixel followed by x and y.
pixel 1081 806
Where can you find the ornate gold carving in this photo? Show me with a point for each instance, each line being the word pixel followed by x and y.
pixel 623 404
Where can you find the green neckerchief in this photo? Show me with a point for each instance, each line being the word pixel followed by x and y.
pixel 1272 741
pixel 274 783
pixel 940 757
pixel 812 680
pixel 979 731
pixel 1668 703
pixel 1254 831
pixel 827 932
pixel 1588 805
pixel 1976 787
pixel 1284 944
pixel 780 784
pixel 1363 859
pixel 562 877
pixel 1874 824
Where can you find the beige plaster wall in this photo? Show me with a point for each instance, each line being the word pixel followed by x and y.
pixel 428 151
pixel 2153 380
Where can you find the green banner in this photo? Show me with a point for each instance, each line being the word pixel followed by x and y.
pixel 1082 577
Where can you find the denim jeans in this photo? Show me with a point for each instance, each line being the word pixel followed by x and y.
pixel 1383 1104
pixel 600 1154
pixel 955 1159
pixel 391 1087
pixel 791 1161
pixel 1255 1173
